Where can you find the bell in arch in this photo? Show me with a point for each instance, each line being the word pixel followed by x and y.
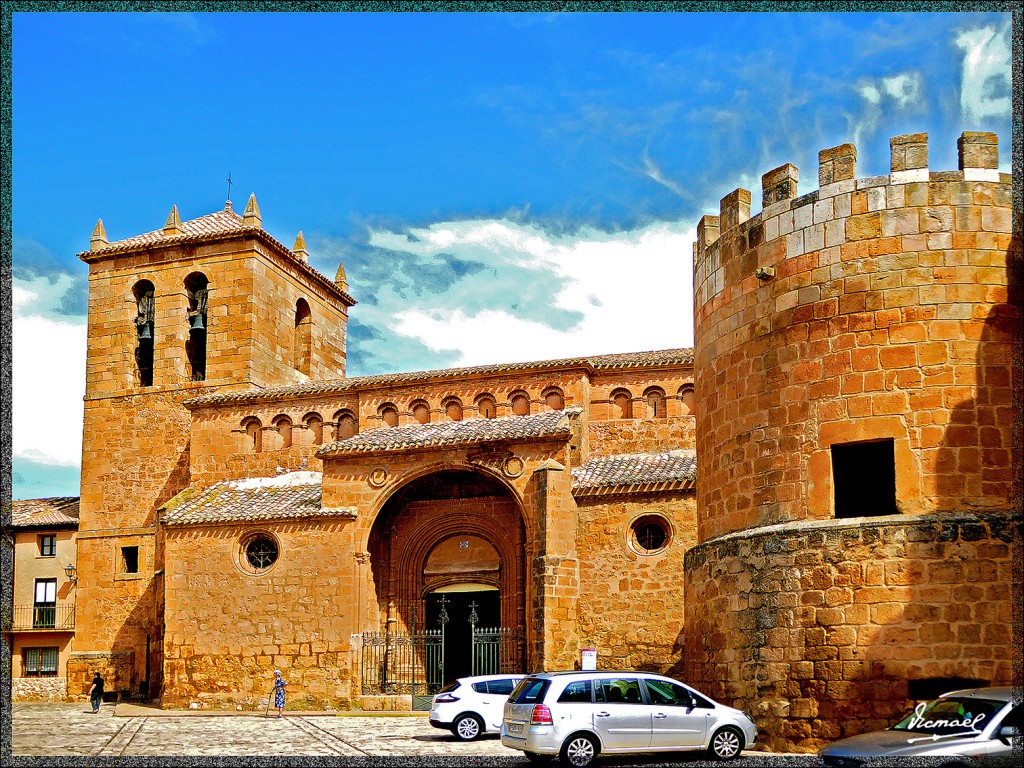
pixel 145 332
pixel 196 323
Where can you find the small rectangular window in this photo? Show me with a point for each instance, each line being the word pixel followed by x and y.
pixel 48 545
pixel 130 558
pixel 40 662
pixel 864 479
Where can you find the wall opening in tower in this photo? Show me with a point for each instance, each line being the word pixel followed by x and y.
pixel 864 479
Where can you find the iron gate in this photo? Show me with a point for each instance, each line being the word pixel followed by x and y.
pixel 402 663
pixel 497 650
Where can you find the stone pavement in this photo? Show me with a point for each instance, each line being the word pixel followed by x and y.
pixel 132 731
pixel 69 729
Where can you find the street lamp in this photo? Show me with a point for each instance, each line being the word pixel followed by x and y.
pixel 71 572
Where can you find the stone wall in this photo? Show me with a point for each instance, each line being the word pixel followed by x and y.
pixel 870 309
pixel 227 630
pixel 815 628
pixel 39 689
pixel 631 604
pixel 641 435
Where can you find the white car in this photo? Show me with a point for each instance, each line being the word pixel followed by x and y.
pixel 579 715
pixel 472 706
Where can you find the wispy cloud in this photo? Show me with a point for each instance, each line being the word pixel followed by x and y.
pixel 522 292
pixel 985 81
pixel 899 94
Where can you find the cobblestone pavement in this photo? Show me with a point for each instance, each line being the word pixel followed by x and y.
pixel 69 729
pixel 58 729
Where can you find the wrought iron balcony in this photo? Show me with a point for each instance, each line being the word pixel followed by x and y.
pixel 29 617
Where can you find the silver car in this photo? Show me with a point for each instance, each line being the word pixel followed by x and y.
pixel 579 715
pixel 977 723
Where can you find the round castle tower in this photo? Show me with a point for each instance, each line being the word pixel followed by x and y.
pixel 856 438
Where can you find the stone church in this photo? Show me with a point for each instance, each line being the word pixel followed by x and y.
pixel 812 514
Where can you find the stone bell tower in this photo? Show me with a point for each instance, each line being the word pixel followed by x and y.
pixel 214 304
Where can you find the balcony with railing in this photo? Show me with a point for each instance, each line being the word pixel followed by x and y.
pixel 36 617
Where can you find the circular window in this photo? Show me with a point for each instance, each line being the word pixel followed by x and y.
pixel 259 553
pixel 649 534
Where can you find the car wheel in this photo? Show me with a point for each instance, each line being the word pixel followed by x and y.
pixel 726 743
pixel 467 728
pixel 579 750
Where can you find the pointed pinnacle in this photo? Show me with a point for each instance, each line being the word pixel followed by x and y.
pixel 252 217
pixel 173 224
pixel 341 279
pixel 99 236
pixel 299 249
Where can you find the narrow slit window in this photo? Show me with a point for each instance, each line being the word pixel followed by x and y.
pixel 864 479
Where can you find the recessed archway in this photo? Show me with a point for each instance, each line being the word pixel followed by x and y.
pixel 451 540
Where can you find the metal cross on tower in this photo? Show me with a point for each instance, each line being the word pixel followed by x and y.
pixel 229 186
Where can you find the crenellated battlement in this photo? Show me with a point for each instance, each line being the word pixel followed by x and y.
pixel 818 219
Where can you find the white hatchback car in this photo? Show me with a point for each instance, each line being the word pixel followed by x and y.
pixel 579 715
pixel 472 706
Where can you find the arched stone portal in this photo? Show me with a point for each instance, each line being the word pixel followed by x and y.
pixel 447 554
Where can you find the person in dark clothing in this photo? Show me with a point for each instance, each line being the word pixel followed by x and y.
pixel 96 693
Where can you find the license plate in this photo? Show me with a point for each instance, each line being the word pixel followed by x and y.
pixel 515 727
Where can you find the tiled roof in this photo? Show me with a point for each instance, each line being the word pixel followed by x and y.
pixel 58 511
pixel 285 497
pixel 446 433
pixel 208 227
pixel 211 224
pixel 675 470
pixel 680 356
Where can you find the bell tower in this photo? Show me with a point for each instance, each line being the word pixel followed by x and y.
pixel 213 304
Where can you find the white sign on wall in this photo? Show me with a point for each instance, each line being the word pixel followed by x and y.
pixel 588 659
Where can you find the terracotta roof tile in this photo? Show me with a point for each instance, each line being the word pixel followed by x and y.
pixel 676 469
pixel 285 497
pixel 213 223
pixel 680 356
pixel 206 227
pixel 445 433
pixel 55 511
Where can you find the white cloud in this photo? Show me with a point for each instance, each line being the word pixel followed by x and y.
pixel 633 291
pixel 48 376
pixel 902 92
pixel 903 89
pixel 985 82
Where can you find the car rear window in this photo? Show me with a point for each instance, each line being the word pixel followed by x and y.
pixel 529 691
pixel 451 686
pixel 501 687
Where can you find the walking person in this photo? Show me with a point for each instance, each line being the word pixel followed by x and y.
pixel 96 693
pixel 279 685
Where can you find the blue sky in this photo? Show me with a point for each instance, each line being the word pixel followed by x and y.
pixel 498 186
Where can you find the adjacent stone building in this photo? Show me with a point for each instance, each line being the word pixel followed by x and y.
pixel 812 514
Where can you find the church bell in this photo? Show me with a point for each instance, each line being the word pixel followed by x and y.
pixel 196 322
pixel 145 333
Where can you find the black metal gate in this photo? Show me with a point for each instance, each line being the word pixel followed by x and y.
pixel 497 650
pixel 397 663
pixel 413 663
